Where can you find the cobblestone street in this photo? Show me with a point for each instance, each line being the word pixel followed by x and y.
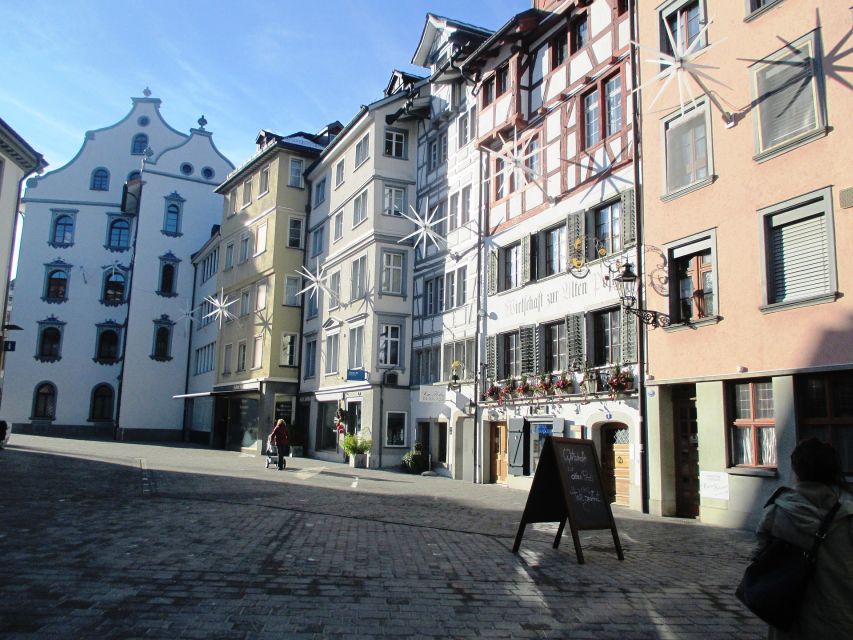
pixel 115 540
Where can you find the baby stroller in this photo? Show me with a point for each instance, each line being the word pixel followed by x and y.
pixel 272 455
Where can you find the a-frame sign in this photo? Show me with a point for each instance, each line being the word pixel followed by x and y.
pixel 567 486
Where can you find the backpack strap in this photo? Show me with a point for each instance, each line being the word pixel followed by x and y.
pixel 776 494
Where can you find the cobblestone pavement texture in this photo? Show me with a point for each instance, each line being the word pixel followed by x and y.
pixel 118 540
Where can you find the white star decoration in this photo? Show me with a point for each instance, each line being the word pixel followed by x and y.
pixel 520 162
pixel 316 283
pixel 424 228
pixel 680 66
pixel 187 314
pixel 602 171
pixel 220 306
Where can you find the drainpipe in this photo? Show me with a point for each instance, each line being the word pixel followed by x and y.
pixel 638 204
pixel 186 430
pixel 478 371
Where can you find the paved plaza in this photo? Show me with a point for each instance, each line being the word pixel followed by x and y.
pixel 116 540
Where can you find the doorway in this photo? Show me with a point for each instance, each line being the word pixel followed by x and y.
pixel 686 451
pixel 498 457
pixel 614 462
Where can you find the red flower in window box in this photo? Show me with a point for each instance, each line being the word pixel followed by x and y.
pixel 620 381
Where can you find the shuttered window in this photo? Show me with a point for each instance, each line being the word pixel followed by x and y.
pixel 799 259
pixel 687 149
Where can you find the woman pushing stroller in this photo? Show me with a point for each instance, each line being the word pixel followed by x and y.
pixel 279 438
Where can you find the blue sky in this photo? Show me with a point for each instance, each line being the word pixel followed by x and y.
pixel 67 67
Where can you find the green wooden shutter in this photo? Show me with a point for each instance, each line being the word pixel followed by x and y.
pixel 527 338
pixel 517 445
pixel 491 358
pixel 575 230
pixel 492 267
pixel 628 324
pixel 629 218
pixel 525 259
pixel 574 341
pixel 541 365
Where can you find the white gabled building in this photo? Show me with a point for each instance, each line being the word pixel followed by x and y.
pixel 446 284
pixel 105 280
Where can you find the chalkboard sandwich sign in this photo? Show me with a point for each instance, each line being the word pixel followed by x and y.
pixel 568 486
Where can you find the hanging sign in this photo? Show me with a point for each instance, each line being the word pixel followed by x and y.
pixel 568 486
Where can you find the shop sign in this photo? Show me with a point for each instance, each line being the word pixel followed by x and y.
pixel 432 394
pixel 714 484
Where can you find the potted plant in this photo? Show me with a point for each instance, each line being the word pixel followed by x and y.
pixel 523 387
pixel 544 386
pixel 620 381
pixel 493 392
pixel 357 449
pixel 455 368
pixel 563 384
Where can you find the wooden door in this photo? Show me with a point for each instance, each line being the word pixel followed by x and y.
pixel 686 456
pixel 499 456
pixel 614 462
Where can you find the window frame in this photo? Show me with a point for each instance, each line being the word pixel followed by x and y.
pixel 288 349
pixel 330 340
pixel 702 108
pixel 49 294
pixel 691 247
pixel 112 221
pixel 247 192
pixel 752 423
pixel 403 143
pixel 340 172
pixel 360 206
pixel 260 243
pixel 229 257
pixel 100 416
pixel 68 235
pixel 138 144
pixel 832 423
pixel 355 347
pixel 241 357
pixel 263 182
pixel 362 150
pixel 310 360
pixel 578 41
pixel 101 330
pixel 44 410
pixel 173 209
pixel 297 286
pixel 678 7
pixel 393 190
pixel 388 434
pixel 159 351
pixel 388 270
pixel 319 192
pixel 290 232
pixel 55 353
pixel 258 351
pixel 299 164
pixel 385 342
pixel 605 353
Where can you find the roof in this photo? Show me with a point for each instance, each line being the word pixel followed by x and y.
pixel 435 23
pixel 19 150
pixel 517 27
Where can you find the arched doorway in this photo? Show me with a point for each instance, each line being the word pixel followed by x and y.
pixel 615 459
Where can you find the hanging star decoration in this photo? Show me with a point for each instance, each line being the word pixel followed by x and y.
pixel 424 228
pixel 680 66
pixel 187 314
pixel 316 282
pixel 601 165
pixel 521 162
pixel 220 306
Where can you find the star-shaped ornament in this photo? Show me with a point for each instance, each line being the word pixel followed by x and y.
pixel 424 228
pixel 220 306
pixel 316 282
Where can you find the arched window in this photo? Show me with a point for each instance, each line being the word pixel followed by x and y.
pixel 57 285
pixel 171 223
pixel 140 144
pixel 119 234
pixel 113 288
pixel 100 180
pixel 49 342
pixel 108 345
pixel 161 343
pixel 167 278
pixel 63 230
pixel 44 401
pixel 134 175
pixel 102 403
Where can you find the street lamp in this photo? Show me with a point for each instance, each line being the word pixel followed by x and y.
pixel 626 285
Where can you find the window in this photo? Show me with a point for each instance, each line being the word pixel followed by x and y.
pixel 465 203
pixel 265 181
pixel 261 296
pixel 426 365
pixel 580 33
pixel 500 179
pixel 229 256
pixel 356 347
pixel 100 180
pixel 245 241
pixel 799 246
pixel 462 132
pixel 606 337
pixel 294 233
pixel 320 192
pixel 167 278
pixel 394 201
pixel 292 285
pixel 389 345
pixel 461 286
pixel 332 343
pixel 442 142
pixel 334 290
pixel 209 265
pixel 555 250
pixel 56 285
pixel 392 272
pixel 591 119
pixel 463 353
pixel 359 212
pixel 512 267
pixel 559 49
pixel 226 358
pixel 429 295
pixel 50 340
pixel 134 175
pixel 362 150
pixel 756 5
pixel 296 169
pixel 502 80
pixel 488 91
pixel 339 173
pixel 44 401
pixel 113 289
pixel 247 192
pixel 62 234
pixel 825 411
pixel 753 428
pixel 339 226
pixel 172 220
pixel 313 306
pixel 241 356
pixel 261 239
pixel 118 234
pixel 245 302
pixel 205 358
pixel 695 278
pixel 101 405
pixel 310 358
pixel 317 242
pixel 232 203
pixel 450 282
pixel 613 105
pixel 608 230
pixel 395 143
pixel 107 343
pixel 395 429
pixel 287 357
pixel 258 352
pixel 511 352
pixel 139 144
pixel 683 20
pixel 433 155
pixel 162 348
pixel 687 149
pixel 358 277
pixel 531 161
pixel 555 347
pixel 790 106
pixel 452 214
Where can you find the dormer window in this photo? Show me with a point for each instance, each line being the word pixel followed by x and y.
pixel 139 145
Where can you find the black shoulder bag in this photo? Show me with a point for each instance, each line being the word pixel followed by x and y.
pixel 774 583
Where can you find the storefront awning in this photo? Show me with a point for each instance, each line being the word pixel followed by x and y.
pixel 201 394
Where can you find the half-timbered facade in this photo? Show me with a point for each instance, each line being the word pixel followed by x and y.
pixel 555 130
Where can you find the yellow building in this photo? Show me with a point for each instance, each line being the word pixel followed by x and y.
pixel 261 252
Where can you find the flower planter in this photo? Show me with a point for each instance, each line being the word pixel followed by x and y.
pixel 358 461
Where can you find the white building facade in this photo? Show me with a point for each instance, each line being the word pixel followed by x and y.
pixel 104 282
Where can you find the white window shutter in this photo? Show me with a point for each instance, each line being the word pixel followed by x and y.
pixel 629 218
pixel 493 273
pixel 799 260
